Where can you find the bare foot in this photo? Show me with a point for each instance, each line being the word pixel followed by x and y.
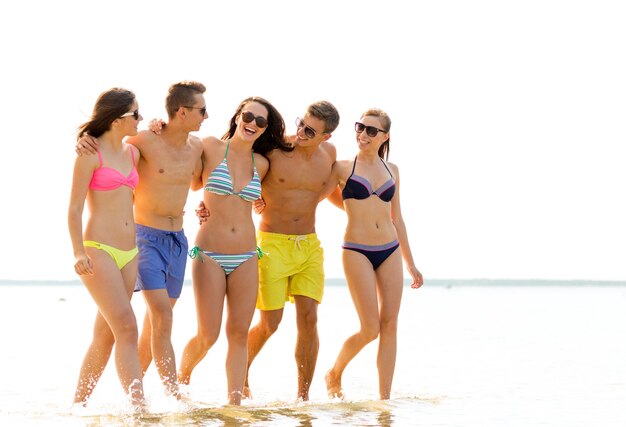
pixel 234 398
pixel 183 379
pixel 246 393
pixel 333 385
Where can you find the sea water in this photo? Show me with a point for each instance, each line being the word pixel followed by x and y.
pixel 469 354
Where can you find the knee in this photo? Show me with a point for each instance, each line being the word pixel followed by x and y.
pixel 307 321
pixel 127 332
pixel 161 322
pixel 389 326
pixel 237 332
pixel 103 338
pixel 205 340
pixel 370 331
pixel 270 326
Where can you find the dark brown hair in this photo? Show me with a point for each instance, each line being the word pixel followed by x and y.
pixel 109 106
pixel 274 135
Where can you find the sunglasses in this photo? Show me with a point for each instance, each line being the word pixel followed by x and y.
pixel 135 114
pixel 202 109
pixel 370 130
pixel 309 132
pixel 248 117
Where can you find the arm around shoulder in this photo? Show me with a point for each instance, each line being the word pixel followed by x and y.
pixel 262 165
pixel 333 188
pixel 142 137
pixel 196 177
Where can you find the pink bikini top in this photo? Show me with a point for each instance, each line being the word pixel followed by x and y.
pixel 106 179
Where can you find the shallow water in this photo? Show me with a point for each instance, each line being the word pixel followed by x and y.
pixel 467 355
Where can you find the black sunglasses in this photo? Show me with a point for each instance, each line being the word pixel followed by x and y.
pixel 135 114
pixel 202 109
pixel 309 132
pixel 248 117
pixel 370 130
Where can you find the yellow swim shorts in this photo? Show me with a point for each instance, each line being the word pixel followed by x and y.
pixel 290 265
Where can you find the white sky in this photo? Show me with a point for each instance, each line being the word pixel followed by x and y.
pixel 508 116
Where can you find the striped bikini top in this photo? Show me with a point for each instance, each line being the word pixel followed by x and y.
pixel 220 182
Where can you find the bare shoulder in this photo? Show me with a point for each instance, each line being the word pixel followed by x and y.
pixel 135 150
pixel 330 149
pixel 262 164
pixel 278 156
pixel 195 142
pixel 212 142
pixel 142 138
pixel 261 161
pixel 341 167
pixel 395 171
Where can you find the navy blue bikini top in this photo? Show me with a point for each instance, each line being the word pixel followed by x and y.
pixel 360 188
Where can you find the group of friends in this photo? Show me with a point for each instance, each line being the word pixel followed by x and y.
pixel 136 185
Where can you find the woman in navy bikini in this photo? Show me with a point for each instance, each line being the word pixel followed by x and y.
pixel 374 245
pixel 225 254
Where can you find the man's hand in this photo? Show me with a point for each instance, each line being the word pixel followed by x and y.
pixel 258 205
pixel 86 145
pixel 290 140
pixel 202 213
pixel 156 125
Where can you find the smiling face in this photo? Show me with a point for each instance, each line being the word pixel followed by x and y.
pixel 365 128
pixel 252 121
pixel 310 131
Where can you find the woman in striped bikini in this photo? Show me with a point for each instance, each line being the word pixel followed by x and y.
pixel 225 253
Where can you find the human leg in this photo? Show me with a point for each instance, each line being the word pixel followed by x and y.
pixel 95 360
pixel 307 343
pixel 274 269
pixel 111 289
pixel 162 261
pixel 362 285
pixel 145 343
pixel 159 310
pixel 242 287
pixel 209 287
pixel 258 336
pixel 389 284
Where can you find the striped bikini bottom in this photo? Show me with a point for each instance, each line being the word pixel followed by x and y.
pixel 228 262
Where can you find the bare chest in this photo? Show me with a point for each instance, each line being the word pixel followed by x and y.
pixel 300 174
pixel 169 166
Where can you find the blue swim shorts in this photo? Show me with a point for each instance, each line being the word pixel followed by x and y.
pixel 162 260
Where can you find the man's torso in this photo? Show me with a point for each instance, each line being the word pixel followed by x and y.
pixel 292 189
pixel 165 173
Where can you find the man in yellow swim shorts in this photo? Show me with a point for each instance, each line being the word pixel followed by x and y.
pixel 292 264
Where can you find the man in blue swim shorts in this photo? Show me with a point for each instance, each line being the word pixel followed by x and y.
pixel 160 197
